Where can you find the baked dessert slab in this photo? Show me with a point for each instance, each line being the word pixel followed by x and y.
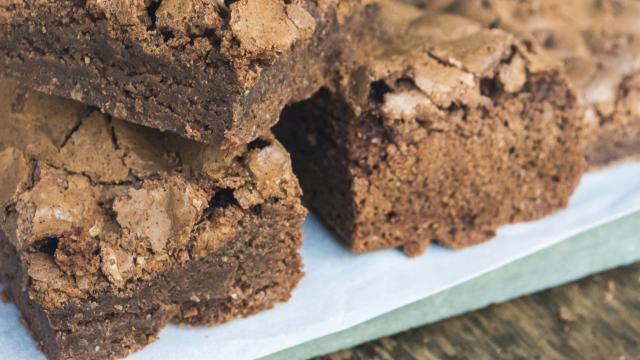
pixel 212 71
pixel 599 43
pixel 109 231
pixel 444 131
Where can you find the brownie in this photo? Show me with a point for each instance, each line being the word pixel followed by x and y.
pixel 599 43
pixel 109 230
pixel 212 71
pixel 443 130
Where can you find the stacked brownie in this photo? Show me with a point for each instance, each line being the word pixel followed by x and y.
pixel 599 44
pixel 152 190
pixel 443 130
pixel 109 230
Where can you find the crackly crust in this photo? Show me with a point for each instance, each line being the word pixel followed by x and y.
pixel 246 30
pixel 104 217
pixel 444 132
pixel 599 43
pixel 212 72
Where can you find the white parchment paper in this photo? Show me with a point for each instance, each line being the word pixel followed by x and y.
pixel 341 290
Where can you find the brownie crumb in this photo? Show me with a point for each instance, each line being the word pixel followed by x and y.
pixel 566 315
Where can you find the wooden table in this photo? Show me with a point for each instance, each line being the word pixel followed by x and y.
pixel 595 318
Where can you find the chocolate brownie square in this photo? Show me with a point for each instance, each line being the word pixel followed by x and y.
pixel 442 131
pixel 599 43
pixel 213 71
pixel 109 230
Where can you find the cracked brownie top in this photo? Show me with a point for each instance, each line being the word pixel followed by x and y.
pixel 93 203
pixel 432 61
pixel 598 40
pixel 243 31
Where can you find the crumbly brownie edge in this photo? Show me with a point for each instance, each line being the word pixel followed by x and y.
pixel 254 271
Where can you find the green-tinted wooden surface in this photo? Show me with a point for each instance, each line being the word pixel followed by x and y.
pixel 594 318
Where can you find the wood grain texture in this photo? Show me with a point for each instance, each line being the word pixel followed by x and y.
pixel 595 318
